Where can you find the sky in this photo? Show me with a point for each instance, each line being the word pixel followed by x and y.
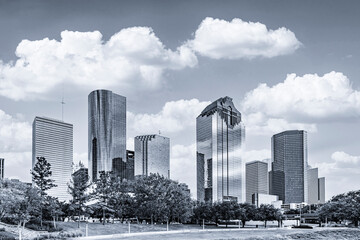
pixel 286 65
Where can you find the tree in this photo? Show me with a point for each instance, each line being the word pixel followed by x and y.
pixel 267 212
pixel 104 192
pixel 41 174
pixel 226 210
pixel 246 212
pixel 77 187
pixel 203 211
pixel 122 201
pixel 53 208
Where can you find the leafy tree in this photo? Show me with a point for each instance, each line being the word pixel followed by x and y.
pixel 179 201
pixel 226 210
pixel 53 208
pixel 246 212
pixel 104 192
pixel 78 186
pixel 122 201
pixel 203 211
pixel 41 174
pixel 267 212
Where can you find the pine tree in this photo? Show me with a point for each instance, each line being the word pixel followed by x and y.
pixel 41 174
pixel 77 188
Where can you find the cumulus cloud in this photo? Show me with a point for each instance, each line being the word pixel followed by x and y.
pixel 300 102
pixel 341 172
pixel 183 165
pixel 220 39
pixel 15 134
pixel 132 57
pixel 18 165
pixel 175 116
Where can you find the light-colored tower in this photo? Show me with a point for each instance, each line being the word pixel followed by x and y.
pixel 313 186
pixel 321 184
pixel 53 140
pixel 256 179
pixel 106 131
pixel 2 168
pixel 220 137
pixel 289 166
pixel 152 155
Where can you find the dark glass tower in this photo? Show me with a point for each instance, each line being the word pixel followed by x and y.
pixel 220 136
pixel 288 178
pixel 106 131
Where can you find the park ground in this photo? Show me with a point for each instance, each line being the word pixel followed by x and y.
pixel 195 232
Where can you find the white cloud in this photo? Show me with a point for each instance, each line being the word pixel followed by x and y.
pixel 183 165
pixel 80 157
pixel 132 57
pixel 175 116
pixel 300 102
pixel 18 165
pixel 342 173
pixel 15 134
pixel 220 39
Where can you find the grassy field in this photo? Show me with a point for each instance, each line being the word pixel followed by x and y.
pixel 211 233
pixel 254 234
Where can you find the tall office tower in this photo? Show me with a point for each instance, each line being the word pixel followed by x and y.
pixel 256 179
pixel 152 155
pixel 289 166
pixel 313 188
pixel 53 140
pixel 220 136
pixel 130 160
pixel 2 167
pixel 321 184
pixel 106 131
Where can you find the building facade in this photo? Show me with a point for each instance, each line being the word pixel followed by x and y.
pixel 313 186
pixel 53 140
pixel 220 136
pixel 130 165
pixel 106 131
pixel 256 179
pixel 289 166
pixel 152 155
pixel 321 191
pixel 2 168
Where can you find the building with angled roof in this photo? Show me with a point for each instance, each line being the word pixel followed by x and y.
pixel 220 136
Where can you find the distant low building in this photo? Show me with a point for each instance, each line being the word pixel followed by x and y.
pixel 260 198
pixel 321 191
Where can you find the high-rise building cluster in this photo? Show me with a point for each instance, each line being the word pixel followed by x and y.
pixel 221 172
pixel 53 140
pixel 222 176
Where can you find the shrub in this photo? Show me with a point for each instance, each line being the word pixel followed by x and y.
pixel 6 236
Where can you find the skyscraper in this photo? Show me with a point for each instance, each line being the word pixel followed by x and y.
pixel 2 167
pixel 53 140
pixel 130 164
pixel 313 186
pixel 220 136
pixel 256 179
pixel 289 166
pixel 321 191
pixel 152 155
pixel 106 131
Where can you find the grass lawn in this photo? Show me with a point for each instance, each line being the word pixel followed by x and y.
pixel 253 234
pixel 118 228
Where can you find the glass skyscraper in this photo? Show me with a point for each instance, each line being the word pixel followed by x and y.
pixel 106 131
pixel 152 155
pixel 220 136
pixel 288 178
pixel 256 179
pixel 53 140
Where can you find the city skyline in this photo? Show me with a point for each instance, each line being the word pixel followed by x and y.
pixel 309 80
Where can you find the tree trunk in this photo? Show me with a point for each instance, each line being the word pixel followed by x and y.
pixel 103 216
pixel 243 223
pixel 152 221
pixel 79 218
pixel 265 223
pixel 54 222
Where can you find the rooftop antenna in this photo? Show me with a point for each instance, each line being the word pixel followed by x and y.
pixel 62 105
